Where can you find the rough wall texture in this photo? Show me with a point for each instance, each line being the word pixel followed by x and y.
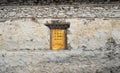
pixel 77 11
pixel 94 43
pixel 23 34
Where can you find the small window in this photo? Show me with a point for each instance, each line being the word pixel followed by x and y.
pixel 58 39
pixel 58 35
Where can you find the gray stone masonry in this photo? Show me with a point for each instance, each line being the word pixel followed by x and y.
pixel 61 11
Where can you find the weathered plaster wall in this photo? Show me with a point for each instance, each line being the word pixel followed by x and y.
pixel 28 34
pixel 24 47
pixel 94 43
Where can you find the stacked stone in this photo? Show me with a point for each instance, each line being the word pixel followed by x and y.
pixel 60 12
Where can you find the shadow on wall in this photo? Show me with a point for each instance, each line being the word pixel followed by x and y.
pixel 56 2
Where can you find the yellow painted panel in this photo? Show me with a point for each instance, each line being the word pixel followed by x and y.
pixel 58 39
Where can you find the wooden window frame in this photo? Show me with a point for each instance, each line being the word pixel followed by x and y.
pixel 58 25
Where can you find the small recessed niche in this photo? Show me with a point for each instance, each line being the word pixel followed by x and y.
pixel 58 34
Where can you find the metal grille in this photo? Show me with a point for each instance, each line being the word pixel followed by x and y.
pixel 58 39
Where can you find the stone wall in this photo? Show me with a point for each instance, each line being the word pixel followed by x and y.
pixel 29 34
pixel 62 11
pixel 93 39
